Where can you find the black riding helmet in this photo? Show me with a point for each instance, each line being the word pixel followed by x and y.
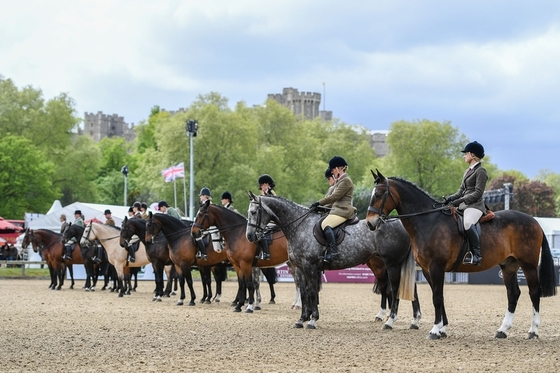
pixel 475 148
pixel 328 173
pixel 205 192
pixel 266 179
pixel 227 195
pixel 337 161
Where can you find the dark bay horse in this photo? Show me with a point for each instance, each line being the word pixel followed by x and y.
pixel 182 251
pixel 511 240
pixel 157 251
pixel 240 252
pixel 87 252
pixel 360 245
pixel 50 245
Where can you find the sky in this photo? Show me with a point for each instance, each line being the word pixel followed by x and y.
pixel 490 68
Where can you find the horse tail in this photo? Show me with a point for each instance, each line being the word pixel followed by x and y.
pixel 408 277
pixel 270 274
pixel 376 289
pixel 220 272
pixel 546 272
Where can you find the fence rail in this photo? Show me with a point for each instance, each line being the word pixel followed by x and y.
pixel 22 263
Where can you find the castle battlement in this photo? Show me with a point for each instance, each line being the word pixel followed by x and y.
pixel 99 125
pixel 301 103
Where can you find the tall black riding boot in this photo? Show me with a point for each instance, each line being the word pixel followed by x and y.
pixel 201 254
pixel 131 253
pixel 332 252
pixel 474 241
pixel 67 252
pixel 98 259
pixel 265 251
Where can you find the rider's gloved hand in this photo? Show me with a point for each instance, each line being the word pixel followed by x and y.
pixel 447 201
pixel 314 205
pixel 457 202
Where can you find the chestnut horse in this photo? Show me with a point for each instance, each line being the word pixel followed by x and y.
pixel 240 252
pixel 182 251
pixel 50 245
pixel 511 240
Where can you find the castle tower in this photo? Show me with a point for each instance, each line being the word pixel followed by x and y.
pixel 98 126
pixel 305 104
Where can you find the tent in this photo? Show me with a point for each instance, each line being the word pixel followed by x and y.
pixel 51 221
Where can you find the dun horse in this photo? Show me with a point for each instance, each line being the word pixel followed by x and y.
pixel 240 252
pixel 182 251
pixel 359 246
pixel 511 240
pixel 109 238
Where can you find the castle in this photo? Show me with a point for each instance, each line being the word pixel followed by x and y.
pixel 97 126
pixel 304 103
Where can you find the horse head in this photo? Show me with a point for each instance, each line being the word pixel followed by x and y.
pixel 29 239
pixel 153 227
pixel 131 227
pixel 202 220
pixel 258 216
pixel 88 236
pixel 379 205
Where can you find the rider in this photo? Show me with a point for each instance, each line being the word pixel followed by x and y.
pixel 64 225
pixel 469 197
pixel 144 210
pixel 341 201
pixel 266 185
pixel 79 221
pixel 204 195
pixel 227 201
pixel 109 221
pixel 134 240
pixel 164 208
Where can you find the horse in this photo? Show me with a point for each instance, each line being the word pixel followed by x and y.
pixel 117 256
pixel 240 252
pixel 50 246
pixel 157 251
pixel 87 253
pixel 359 246
pixel 182 251
pixel 511 240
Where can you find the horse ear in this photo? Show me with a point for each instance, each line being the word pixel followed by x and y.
pixel 250 195
pixel 150 214
pixel 379 176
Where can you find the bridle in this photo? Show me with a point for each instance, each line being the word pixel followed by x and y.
pixel 206 218
pixel 150 221
pixel 260 232
pixel 40 246
pixel 383 218
pixel 89 228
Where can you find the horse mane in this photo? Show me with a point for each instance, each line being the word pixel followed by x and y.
pixel 228 210
pixel 48 231
pixel 401 180
pixel 173 222
pixel 108 226
pixel 286 200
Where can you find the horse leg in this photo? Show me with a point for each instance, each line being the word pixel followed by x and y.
pixel 71 272
pixel 61 274
pixel 509 275
pixel 54 275
pixel 250 283
pixel 241 293
pixel 188 277
pixel 416 313
pixel 181 300
pixel 301 285
pixel 313 278
pixel 535 294
pixel 437 279
pixel 158 274
pixel 297 298
pixel 257 285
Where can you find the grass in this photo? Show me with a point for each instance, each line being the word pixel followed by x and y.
pixel 29 272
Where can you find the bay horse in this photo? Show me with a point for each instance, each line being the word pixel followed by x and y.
pixel 109 237
pixel 511 240
pixel 157 251
pixel 50 245
pixel 240 251
pixel 360 245
pixel 182 251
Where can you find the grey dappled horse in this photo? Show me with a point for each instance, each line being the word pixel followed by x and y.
pixel 304 252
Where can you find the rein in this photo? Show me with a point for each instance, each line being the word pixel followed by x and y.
pixel 206 231
pixel 264 231
pixel 383 217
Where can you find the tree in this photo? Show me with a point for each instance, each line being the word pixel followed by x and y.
pixel 25 178
pixel 552 180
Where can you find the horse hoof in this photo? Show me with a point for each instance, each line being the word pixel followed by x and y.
pixel 237 309
pixel 378 319
pixel 248 310
pixel 207 302
pixel 414 327
pixel 298 325
pixel 433 336
pixel 533 335
pixel 217 300
pixel 500 335
pixel 387 327
pixel 272 302
pixel 192 303
pixel 159 299
pixel 173 293
pixel 310 326
pixel 86 289
pixel 121 295
pixel 180 303
pixel 257 308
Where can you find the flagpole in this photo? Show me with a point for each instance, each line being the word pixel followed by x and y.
pixel 185 193
pixel 175 190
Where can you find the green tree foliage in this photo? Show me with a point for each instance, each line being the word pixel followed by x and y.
pixel 552 180
pixel 24 178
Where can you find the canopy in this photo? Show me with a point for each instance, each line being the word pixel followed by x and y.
pixel 90 211
pixel 7 226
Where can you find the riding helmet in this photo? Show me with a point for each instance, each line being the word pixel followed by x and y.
pixel 205 192
pixel 337 161
pixel 227 195
pixel 107 212
pixel 328 173
pixel 144 205
pixel 138 205
pixel 266 179
pixel 475 148
pixel 78 212
pixel 162 203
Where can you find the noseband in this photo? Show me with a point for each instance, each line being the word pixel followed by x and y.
pixel 379 211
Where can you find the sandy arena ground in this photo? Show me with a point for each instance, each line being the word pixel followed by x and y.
pixel 76 331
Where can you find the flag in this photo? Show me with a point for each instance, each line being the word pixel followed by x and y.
pixel 174 172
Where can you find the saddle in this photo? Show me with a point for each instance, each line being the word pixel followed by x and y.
pixel 465 246
pixel 339 232
pixel 134 246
